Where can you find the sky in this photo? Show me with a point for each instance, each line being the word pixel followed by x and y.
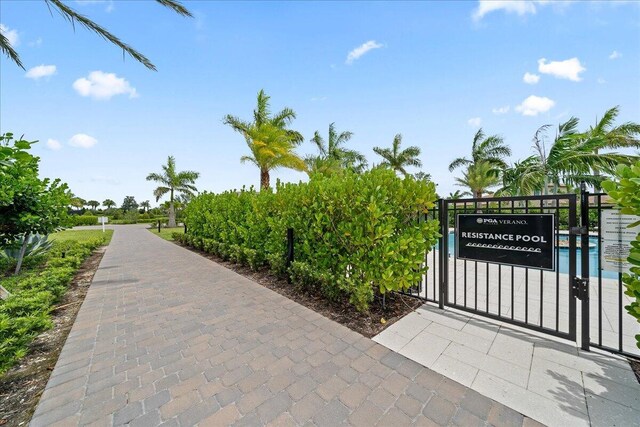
pixel 433 71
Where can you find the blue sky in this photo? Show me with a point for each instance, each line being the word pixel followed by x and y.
pixel 432 71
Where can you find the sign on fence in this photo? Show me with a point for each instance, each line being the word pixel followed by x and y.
pixel 524 240
pixel 616 240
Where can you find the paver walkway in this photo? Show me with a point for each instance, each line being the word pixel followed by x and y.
pixel 167 337
pixel 548 379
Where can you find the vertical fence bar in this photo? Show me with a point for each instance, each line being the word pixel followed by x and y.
pixel 584 267
pixel 572 267
pixel 289 251
pixel 599 269
pixel 444 251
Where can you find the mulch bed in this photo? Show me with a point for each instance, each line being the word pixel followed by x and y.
pixel 368 324
pixel 22 385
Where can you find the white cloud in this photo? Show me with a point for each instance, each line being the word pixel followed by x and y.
pixel 568 69
pixel 501 110
pixel 534 105
pixel 519 7
pixel 53 144
pixel 40 71
pixel 615 55
pixel 601 81
pixel 103 86
pixel 474 121
pixel 361 50
pixel 11 35
pixel 36 43
pixel 530 78
pixel 82 140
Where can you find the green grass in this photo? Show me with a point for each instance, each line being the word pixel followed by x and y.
pixel 81 235
pixel 166 233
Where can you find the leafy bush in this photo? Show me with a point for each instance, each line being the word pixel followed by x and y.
pixel 626 192
pixel 25 313
pixel 77 220
pixel 361 230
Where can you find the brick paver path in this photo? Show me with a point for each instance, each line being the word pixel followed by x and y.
pixel 168 337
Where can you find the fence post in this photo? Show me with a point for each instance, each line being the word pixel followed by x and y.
pixel 185 228
pixel 289 251
pixel 584 264
pixel 158 226
pixel 444 252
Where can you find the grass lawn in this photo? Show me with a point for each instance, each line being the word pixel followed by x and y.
pixel 81 235
pixel 166 233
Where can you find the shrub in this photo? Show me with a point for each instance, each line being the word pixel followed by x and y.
pixel 77 220
pixel 626 192
pixel 361 230
pixel 25 313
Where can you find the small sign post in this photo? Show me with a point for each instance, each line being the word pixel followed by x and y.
pixel 103 220
pixel 522 240
pixel 616 240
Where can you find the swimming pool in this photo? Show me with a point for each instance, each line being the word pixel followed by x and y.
pixel 563 257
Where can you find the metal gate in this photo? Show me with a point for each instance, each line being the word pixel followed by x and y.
pixel 544 301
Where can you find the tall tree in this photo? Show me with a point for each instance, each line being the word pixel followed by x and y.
pixel 76 202
pixel 398 159
pixel 145 205
pixel 173 182
pixel 573 157
pixel 74 17
pixel 129 204
pixel 108 203
pixel 270 141
pixel 333 155
pixel 478 178
pixel 491 149
pixel 94 204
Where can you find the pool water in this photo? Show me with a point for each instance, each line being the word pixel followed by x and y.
pixel 563 257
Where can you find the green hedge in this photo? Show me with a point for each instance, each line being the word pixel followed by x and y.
pixel 76 220
pixel 355 235
pixel 25 314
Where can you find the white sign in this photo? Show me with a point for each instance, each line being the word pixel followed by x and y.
pixel 616 240
pixel 103 219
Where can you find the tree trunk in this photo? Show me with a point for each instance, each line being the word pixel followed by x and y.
pixel 264 179
pixel 172 212
pixel 22 251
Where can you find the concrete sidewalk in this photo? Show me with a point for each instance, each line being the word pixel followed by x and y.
pixel 545 378
pixel 166 337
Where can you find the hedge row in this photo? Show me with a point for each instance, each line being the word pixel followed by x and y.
pixel 355 235
pixel 25 314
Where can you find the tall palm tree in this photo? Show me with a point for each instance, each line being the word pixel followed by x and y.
pixel 334 155
pixel 173 182
pixel 491 149
pixel 108 203
pixel 397 159
pixel 270 141
pixel 574 157
pixel 605 136
pixel 458 195
pixel 145 205
pixel 73 16
pixel 478 178
pixel 94 204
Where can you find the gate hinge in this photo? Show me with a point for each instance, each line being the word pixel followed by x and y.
pixel 580 288
pixel 579 231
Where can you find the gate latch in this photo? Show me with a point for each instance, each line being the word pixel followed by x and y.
pixel 580 288
pixel 579 231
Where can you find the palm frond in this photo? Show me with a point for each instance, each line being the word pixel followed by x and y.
pixel 9 51
pixel 176 6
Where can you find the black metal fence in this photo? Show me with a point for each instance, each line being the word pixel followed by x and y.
pixel 545 301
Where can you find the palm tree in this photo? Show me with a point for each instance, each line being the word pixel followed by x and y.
pixel 333 154
pixel 397 159
pixel 145 205
pixel 573 158
pixel 108 203
pixel 173 182
pixel 77 202
pixel 478 178
pixel 490 149
pixel 72 16
pixel 422 176
pixel 94 204
pixel 605 136
pixel 458 195
pixel 269 140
